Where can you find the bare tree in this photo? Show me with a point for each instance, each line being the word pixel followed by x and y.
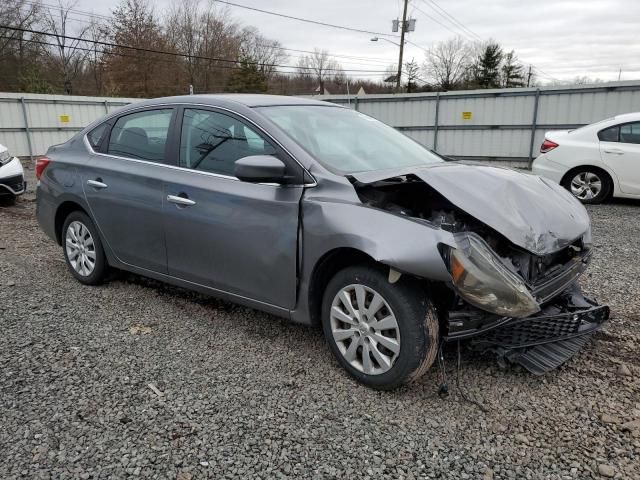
pixel 184 34
pixel 69 54
pixel 390 74
pixel 97 32
pixel 447 62
pixel 14 15
pixel 221 39
pixel 258 49
pixel 18 52
pixel 320 65
pixel 412 70
pixel 133 72
pixel 512 71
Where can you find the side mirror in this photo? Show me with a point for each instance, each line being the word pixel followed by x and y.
pixel 260 169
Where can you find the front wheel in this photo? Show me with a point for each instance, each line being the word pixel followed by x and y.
pixel 383 334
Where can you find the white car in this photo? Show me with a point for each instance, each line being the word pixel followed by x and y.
pixel 595 161
pixel 12 181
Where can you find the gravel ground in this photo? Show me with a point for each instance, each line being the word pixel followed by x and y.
pixel 135 378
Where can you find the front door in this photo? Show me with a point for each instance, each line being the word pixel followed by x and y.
pixel 124 187
pixel 221 232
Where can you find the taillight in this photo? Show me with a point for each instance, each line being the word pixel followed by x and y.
pixel 41 164
pixel 547 146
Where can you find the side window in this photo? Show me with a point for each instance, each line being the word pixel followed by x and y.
pixel 212 142
pixel 95 135
pixel 609 134
pixel 141 135
pixel 630 133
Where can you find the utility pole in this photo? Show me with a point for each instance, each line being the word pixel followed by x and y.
pixel 620 74
pixel 529 75
pixel 403 28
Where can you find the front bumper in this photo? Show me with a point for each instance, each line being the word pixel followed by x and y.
pixel 541 342
pixel 12 178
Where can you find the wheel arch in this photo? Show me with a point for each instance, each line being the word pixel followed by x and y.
pixel 326 267
pixel 62 212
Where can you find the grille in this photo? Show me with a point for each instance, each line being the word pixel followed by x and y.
pixel 550 286
pixel 535 330
pixel 16 182
pixel 538 330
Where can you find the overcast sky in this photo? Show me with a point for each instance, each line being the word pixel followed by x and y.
pixel 561 38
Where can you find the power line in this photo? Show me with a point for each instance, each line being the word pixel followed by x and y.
pixel 441 24
pixel 138 57
pixel 71 10
pixel 444 14
pixel 178 54
pixel 372 60
pixel 299 19
pixel 416 45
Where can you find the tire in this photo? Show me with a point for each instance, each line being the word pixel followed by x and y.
pixel 8 200
pixel 415 335
pixel 593 182
pixel 79 230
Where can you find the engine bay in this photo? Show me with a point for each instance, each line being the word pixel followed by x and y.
pixel 410 196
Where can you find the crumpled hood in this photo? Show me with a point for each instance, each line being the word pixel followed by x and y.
pixel 532 212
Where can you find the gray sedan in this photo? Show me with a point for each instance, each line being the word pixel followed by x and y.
pixel 323 215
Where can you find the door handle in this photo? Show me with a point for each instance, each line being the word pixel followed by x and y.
pixel 97 183
pixel 182 201
pixel 615 151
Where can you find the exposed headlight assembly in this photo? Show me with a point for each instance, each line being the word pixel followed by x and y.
pixel 481 278
pixel 5 157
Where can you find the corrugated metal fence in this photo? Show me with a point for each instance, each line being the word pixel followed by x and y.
pixel 504 124
pixel 30 123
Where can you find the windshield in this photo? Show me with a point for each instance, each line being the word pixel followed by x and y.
pixel 348 141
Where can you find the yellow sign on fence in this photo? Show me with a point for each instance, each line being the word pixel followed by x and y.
pixel 467 115
pixel 64 118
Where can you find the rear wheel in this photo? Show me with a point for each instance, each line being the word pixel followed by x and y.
pixel 383 334
pixel 83 250
pixel 590 186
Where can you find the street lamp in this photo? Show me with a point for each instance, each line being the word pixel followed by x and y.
pixel 375 39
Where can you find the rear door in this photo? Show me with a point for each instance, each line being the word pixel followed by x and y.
pixel 620 150
pixel 124 186
pixel 227 234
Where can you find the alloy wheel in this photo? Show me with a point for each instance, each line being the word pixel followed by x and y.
pixel 81 250
pixel 586 185
pixel 365 329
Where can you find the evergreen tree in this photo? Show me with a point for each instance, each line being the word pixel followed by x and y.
pixel 488 66
pixel 247 79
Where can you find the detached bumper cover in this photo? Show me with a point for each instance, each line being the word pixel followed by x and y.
pixel 543 342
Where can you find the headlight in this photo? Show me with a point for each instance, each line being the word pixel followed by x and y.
pixel 5 157
pixel 484 281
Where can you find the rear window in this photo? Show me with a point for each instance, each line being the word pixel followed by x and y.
pixel 141 135
pixel 95 136
pixel 611 134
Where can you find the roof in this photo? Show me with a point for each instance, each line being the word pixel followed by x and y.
pixel 628 116
pixel 246 99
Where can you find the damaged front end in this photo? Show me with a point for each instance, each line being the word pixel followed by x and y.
pixel 521 300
